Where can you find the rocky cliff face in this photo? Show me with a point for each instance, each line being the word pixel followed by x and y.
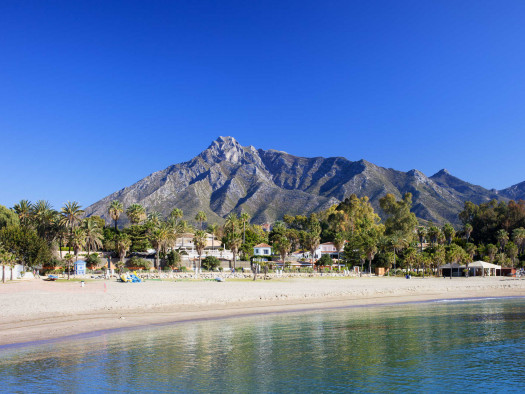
pixel 228 177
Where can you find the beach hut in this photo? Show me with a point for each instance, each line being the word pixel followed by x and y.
pixel 455 267
pixel 476 268
pixel 80 267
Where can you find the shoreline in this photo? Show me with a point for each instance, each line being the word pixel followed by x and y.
pixel 63 321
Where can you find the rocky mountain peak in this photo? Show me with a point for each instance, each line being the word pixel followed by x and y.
pixel 228 149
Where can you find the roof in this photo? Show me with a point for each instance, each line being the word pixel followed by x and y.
pixel 483 264
pixel 262 246
pixel 328 243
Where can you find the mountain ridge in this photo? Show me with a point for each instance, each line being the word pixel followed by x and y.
pixel 228 177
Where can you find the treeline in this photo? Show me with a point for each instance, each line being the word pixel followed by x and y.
pixel 36 234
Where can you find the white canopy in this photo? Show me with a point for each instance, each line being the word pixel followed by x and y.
pixel 454 265
pixel 482 264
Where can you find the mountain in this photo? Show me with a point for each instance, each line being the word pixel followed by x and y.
pixel 228 177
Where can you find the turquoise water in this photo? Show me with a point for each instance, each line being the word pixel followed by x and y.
pixel 472 346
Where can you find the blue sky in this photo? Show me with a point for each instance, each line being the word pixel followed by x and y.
pixel 96 95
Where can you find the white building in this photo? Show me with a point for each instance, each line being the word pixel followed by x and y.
pixel 262 250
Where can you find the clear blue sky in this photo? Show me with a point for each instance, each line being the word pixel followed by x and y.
pixel 96 95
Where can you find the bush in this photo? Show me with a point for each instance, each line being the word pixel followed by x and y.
pixel 92 261
pixel 138 263
pixel 210 263
pixel 325 260
pixel 172 259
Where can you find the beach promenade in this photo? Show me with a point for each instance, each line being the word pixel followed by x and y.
pixel 38 310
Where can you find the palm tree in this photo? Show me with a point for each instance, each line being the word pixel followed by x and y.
pixel 24 210
pixel 468 230
pixel 43 215
pixel 158 238
pixel 115 210
pixel 231 223
pixel 397 243
pixel 512 251
pixel 176 215
pixel 233 242
pixel 433 234
pixel 213 230
pixel 69 259
pixel 154 219
pixel 491 251
pixel 71 214
pixel 199 240
pixel 92 234
pixel 136 213
pixel 449 232
pixel 122 244
pixel 370 250
pixel 503 237
pixel 422 233
pixel 77 241
pixel 201 217
pixel 518 235
pixel 339 242
pixel 470 248
pixel 453 254
pixel 6 258
pixel 282 245
pixel 312 241
pixel 245 217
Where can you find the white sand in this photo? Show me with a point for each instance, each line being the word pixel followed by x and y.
pixel 33 310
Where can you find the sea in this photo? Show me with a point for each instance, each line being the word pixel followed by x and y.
pixel 441 346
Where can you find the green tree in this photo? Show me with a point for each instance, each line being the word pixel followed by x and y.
pixel 199 240
pixel 422 233
pixel 115 210
pixel 399 218
pixel 24 211
pixel 136 213
pixel 69 258
pixel 8 217
pixel 467 229
pixel 503 237
pixel 71 214
pixel 491 251
pixel 122 245
pixel 245 218
pixel 518 235
pixel 201 217
pixel 24 243
pixel 92 234
pixel 210 263
pixel 511 249
pixel 449 232
pixel 282 246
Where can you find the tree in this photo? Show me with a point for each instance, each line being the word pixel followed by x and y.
pixel 8 217
pixel 159 237
pixel 43 216
pixel 399 218
pixel 282 246
pixel 245 218
pixel 115 210
pixel 92 234
pixel 24 243
pixel 69 260
pixel 449 232
pixel 491 251
pixel 313 237
pixel 503 237
pixel 176 215
pixel 470 249
pixel 122 245
pixel 453 254
pixel 71 214
pixel 233 242
pixel 6 258
pixel 213 229
pixel 511 249
pixel 370 250
pixel 210 263
pixel 23 209
pixel 433 234
pixel 199 240
pixel 339 242
pixel 136 213
pixel 422 234
pixel 518 235
pixel 397 243
pixel 467 229
pixel 77 241
pixel 201 217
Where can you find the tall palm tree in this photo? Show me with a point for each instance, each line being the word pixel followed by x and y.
pixel 312 241
pixel 69 260
pixel 370 250
pixel 136 213
pixel 213 230
pixel 115 210
pixel 154 219
pixel 449 232
pixel 24 211
pixel 92 234
pixel 503 237
pixel 433 234
pixel 158 238
pixel 339 242
pixel 71 214
pixel 422 234
pixel 176 215
pixel 512 251
pixel 245 218
pixel 201 217
pixel 282 245
pixel 518 235
pixel 397 243
pixel 234 242
pixel 77 240
pixel 468 230
pixel 470 249
pixel 122 244
pixel 199 240
pixel 43 216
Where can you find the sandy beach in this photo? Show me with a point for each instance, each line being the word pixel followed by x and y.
pixel 38 310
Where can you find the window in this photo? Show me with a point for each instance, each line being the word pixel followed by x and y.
pixel 256 251
pixel 266 251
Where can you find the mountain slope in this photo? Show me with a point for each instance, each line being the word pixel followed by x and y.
pixel 228 177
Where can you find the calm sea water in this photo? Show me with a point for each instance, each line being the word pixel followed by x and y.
pixel 473 346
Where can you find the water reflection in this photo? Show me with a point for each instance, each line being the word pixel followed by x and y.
pixel 437 347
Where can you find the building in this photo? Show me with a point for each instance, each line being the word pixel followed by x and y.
pixel 262 250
